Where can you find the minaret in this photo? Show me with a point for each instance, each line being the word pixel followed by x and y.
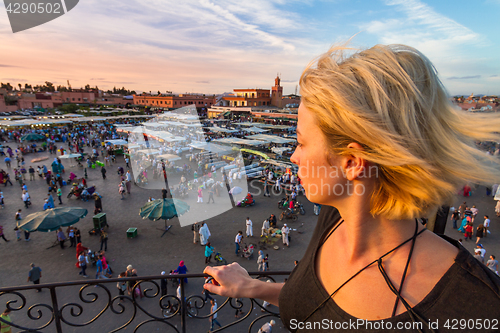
pixel 277 93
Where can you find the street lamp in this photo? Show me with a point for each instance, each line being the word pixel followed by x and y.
pixel 169 195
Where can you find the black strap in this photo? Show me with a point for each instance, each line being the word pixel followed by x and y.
pixel 406 269
pixel 413 238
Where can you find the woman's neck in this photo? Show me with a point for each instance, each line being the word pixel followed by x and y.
pixel 362 235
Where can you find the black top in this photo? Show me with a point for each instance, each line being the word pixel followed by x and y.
pixel 468 290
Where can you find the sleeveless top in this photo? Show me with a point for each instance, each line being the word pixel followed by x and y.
pixel 467 290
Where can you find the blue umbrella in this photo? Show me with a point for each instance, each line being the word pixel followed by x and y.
pixel 163 209
pixel 52 219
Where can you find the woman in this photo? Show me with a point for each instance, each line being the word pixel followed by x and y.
pixel 479 233
pixel 204 234
pixel 374 134
pixel 208 253
pixel 182 269
pixel 465 220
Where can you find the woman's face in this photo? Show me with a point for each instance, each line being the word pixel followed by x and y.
pixel 321 179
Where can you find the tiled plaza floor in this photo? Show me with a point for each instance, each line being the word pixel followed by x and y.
pixel 149 253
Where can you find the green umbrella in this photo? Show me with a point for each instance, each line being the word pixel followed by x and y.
pixel 163 209
pixel 52 219
pixel 32 137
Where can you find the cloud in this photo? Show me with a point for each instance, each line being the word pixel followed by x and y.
pixel 204 82
pixel 97 79
pixel 3 65
pixel 465 77
pixel 436 35
pixel 494 75
pixel 12 80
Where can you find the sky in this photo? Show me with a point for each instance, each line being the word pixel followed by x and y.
pixel 211 47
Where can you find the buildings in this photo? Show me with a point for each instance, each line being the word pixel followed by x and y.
pixel 256 97
pixel 16 100
pixel 174 101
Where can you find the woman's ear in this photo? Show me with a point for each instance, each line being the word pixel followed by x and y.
pixel 353 165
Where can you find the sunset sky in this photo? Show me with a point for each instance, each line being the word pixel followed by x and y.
pixel 210 46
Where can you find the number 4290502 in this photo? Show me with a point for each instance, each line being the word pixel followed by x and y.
pixel 34 8
pixel 471 324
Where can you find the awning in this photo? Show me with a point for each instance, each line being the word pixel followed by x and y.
pixel 117 142
pixel 256 152
pixel 272 138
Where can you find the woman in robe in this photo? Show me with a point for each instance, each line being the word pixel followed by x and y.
pixel 464 223
pixel 204 234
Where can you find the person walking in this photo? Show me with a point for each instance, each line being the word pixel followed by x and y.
pixel 454 217
pixel 163 285
pixel 211 194
pixel 195 228
pixel 127 160
pixel 59 195
pixel 78 235
pixel 34 275
pixel 104 240
pixel 121 190
pixel 479 233
pixel 200 195
pixel 4 327
pixel 182 269
pixel 61 237
pixel 208 252
pixel 267 327
pixel 213 317
pixel 100 268
pixel 468 231
pixel 237 241
pixel 206 292
pixel 31 171
pixel 474 211
pixel 82 262
pixel 492 264
pixel 26 198
pixel 284 235
pixel 122 285
pixel 204 234
pixel 103 172
pixel 249 227
pixel 71 236
pixel 97 204
pixel 260 261
pixel 128 181
pixel 2 234
pixel 486 225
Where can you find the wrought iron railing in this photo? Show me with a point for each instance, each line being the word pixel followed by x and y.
pixel 99 311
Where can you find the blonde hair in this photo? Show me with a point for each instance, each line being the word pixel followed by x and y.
pixel 390 100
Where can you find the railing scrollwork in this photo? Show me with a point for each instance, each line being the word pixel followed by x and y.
pixel 139 309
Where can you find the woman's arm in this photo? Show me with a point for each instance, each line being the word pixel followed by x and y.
pixel 235 282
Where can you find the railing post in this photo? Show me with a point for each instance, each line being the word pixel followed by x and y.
pixel 183 307
pixel 55 307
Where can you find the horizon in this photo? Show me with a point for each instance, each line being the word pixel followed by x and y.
pixel 211 48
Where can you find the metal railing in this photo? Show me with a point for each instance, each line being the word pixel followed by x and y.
pixel 143 307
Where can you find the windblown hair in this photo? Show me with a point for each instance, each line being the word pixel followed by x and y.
pixel 390 101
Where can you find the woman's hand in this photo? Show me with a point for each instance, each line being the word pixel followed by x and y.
pixel 233 280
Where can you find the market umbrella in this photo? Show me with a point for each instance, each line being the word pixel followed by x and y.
pixel 52 219
pixel 236 190
pixel 70 156
pixel 169 157
pixel 163 209
pixel 32 137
